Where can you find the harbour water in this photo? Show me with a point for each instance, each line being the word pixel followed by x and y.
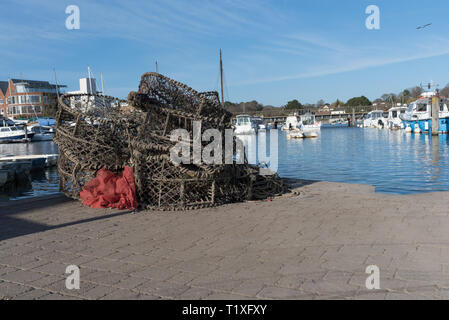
pixel 42 182
pixel 393 161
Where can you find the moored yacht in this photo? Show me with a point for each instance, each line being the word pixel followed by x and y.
pixel 245 125
pixel 291 123
pixel 261 127
pixel 14 133
pixel 375 119
pixel 394 121
pixel 309 126
pixel 418 117
pixel 41 133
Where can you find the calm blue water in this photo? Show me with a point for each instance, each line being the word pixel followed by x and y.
pixel 43 182
pixel 392 161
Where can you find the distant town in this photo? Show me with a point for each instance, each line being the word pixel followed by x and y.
pixel 322 108
pixel 26 99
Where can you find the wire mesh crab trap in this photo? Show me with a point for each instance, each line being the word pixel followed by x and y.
pixel 94 132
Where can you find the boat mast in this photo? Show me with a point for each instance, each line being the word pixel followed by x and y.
pixel 56 83
pixel 89 74
pixel 221 79
pixel 102 88
pixel 10 97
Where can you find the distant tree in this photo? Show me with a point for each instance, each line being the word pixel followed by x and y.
pixel 358 101
pixel 228 104
pixel 293 105
pixel 320 103
pixel 250 106
pixel 416 92
pixel 337 104
pixel 445 91
pixel 388 97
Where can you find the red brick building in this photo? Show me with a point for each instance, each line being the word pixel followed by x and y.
pixel 28 98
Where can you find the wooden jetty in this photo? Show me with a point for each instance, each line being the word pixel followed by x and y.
pixel 14 169
pixel 38 160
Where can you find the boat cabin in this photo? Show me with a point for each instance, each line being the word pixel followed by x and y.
pixel 394 113
pixel 308 119
pixel 376 114
pixel 243 120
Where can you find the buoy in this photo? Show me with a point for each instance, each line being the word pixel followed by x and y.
pixel 417 129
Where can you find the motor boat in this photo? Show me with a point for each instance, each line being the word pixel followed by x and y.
pixel 41 133
pixel 394 121
pixel 291 123
pixel 13 133
pixel 261 127
pixel 309 126
pixel 375 119
pixel 417 118
pixel 245 125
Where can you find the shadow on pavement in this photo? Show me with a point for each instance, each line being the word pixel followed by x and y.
pixel 12 226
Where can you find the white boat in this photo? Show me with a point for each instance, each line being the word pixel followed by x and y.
pixel 245 125
pixel 394 121
pixel 18 122
pixel 13 134
pixel 299 128
pixel 291 123
pixel 261 127
pixel 41 133
pixel 418 118
pixel 375 119
pixel 309 126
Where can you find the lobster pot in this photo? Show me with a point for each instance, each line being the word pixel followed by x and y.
pixel 95 132
pixel 162 185
pixel 87 142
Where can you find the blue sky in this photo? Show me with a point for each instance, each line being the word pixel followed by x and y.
pixel 273 51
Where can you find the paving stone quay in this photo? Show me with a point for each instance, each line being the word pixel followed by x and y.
pixel 315 245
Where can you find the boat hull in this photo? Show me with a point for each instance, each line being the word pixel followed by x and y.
pixel 425 125
pixel 16 137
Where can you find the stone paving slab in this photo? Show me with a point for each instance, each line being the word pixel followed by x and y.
pixel 315 245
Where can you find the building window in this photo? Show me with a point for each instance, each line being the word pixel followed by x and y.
pixel 29 99
pixel 12 100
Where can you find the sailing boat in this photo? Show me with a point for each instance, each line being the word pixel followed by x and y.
pixel 245 124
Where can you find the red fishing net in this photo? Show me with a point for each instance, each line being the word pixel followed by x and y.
pixel 109 190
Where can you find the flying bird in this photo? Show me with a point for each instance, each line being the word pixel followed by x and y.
pixel 424 26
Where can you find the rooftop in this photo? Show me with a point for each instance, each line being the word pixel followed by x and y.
pixel 3 86
pixel 37 84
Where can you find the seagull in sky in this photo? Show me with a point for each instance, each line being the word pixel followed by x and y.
pixel 424 26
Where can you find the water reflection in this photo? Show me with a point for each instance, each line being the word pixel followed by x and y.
pixel 393 161
pixel 42 182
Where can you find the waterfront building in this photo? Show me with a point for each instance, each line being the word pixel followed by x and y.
pixel 26 99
